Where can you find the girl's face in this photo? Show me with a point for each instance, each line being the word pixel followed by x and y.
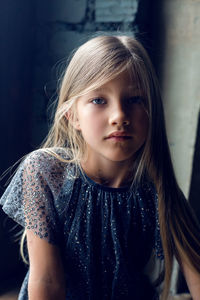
pixel 113 120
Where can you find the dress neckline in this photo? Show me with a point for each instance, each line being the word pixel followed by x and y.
pixel 91 182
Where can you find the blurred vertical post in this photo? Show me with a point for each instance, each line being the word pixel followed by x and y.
pixel 180 69
pixel 180 82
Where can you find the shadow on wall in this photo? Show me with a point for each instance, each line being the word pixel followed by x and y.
pixel 16 61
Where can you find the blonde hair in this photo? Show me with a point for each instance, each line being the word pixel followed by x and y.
pixel 92 65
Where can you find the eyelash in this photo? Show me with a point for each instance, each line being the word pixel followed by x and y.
pixel 93 101
pixel 131 100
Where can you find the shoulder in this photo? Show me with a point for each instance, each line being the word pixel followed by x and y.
pixel 148 189
pixel 51 167
pixel 147 196
pixel 44 160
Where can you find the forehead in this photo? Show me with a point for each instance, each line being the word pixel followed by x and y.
pixel 124 80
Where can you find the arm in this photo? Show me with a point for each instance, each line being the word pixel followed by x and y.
pixel 46 278
pixel 193 281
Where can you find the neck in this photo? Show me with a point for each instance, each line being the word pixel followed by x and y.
pixel 113 174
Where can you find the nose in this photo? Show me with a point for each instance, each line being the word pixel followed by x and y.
pixel 119 115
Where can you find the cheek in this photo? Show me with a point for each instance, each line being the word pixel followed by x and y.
pixel 145 124
pixel 91 125
pixel 141 123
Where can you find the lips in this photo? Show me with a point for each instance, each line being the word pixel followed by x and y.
pixel 119 134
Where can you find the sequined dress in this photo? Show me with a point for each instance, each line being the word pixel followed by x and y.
pixel 109 237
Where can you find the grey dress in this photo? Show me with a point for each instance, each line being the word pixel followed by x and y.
pixel 107 236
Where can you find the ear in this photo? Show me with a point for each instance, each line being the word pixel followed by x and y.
pixel 73 120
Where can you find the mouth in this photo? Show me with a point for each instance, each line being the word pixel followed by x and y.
pixel 119 136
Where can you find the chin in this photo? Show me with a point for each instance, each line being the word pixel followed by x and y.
pixel 120 158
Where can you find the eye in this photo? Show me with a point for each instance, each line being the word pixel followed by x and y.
pixel 135 100
pixel 98 101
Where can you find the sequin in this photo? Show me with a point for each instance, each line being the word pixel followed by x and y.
pixel 106 234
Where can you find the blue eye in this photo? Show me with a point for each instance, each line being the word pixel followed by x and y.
pixel 135 100
pixel 98 101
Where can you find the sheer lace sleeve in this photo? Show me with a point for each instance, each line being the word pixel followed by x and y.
pixel 29 198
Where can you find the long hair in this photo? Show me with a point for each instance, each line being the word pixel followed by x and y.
pixel 94 64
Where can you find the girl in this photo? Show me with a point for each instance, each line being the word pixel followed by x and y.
pixel 100 195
